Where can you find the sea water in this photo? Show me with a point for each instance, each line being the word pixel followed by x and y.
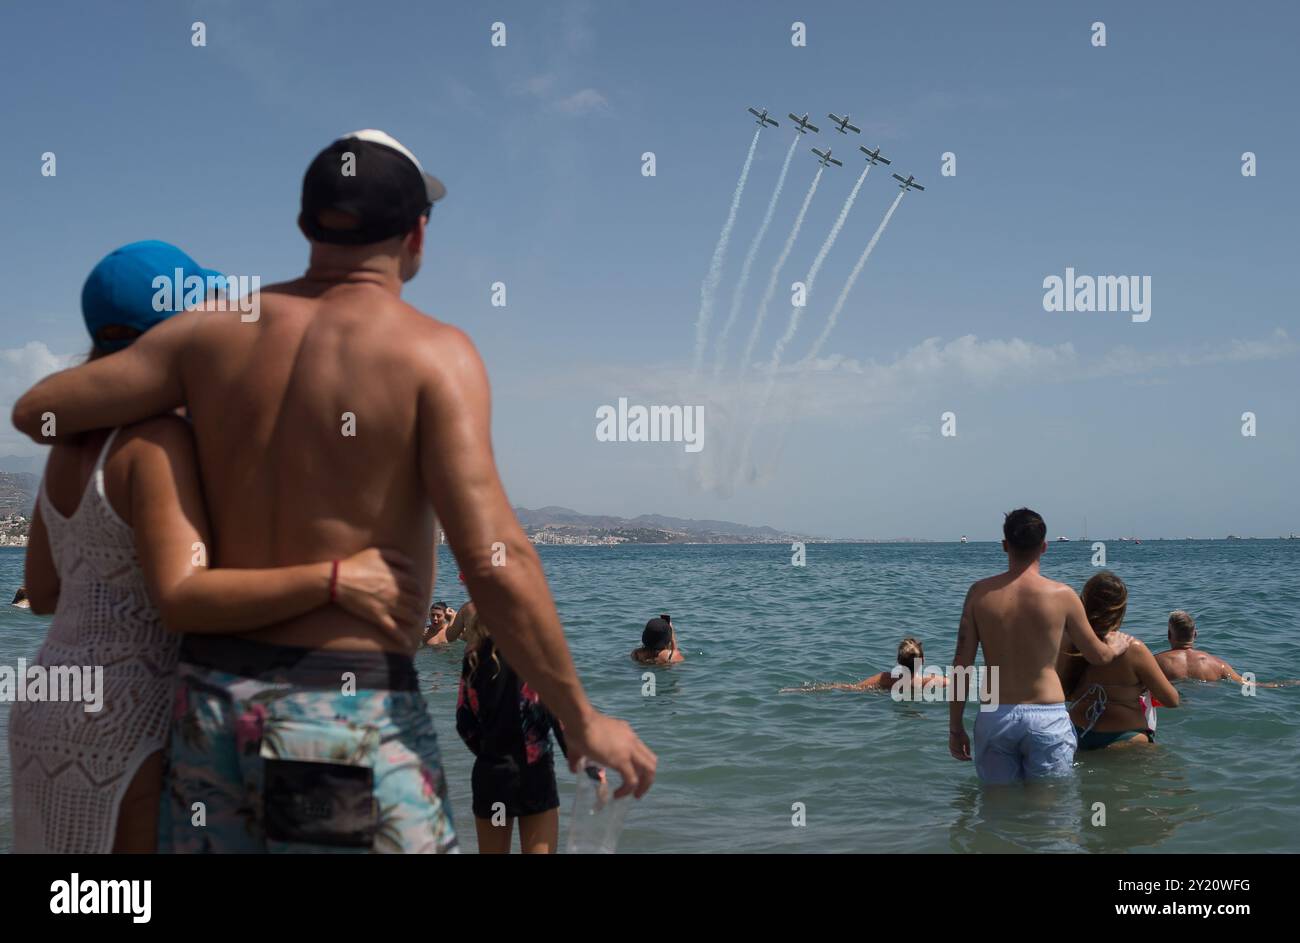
pixel 743 768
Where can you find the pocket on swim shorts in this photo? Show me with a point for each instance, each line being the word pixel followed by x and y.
pixel 318 783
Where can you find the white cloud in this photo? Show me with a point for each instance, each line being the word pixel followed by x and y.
pixel 1125 361
pixel 545 88
pixel 538 86
pixel 835 387
pixel 582 102
pixel 24 365
pixel 20 367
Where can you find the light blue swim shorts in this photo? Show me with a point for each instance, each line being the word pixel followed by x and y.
pixel 1016 742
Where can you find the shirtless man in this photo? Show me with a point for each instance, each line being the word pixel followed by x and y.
pixel 1183 661
pixel 441 617
pixel 1018 618
pixel 338 417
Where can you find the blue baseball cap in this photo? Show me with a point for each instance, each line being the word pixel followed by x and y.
pixel 139 285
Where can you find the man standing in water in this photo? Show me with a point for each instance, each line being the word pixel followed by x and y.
pixel 338 417
pixel 1018 618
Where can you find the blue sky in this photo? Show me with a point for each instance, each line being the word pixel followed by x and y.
pixel 1118 160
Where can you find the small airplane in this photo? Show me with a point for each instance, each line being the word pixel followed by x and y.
pixel 874 156
pixel 762 117
pixel 843 124
pixel 826 157
pixel 908 184
pixel 801 124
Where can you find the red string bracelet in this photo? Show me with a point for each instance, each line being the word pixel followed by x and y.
pixel 334 580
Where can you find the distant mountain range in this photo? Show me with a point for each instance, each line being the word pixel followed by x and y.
pixel 17 493
pixel 673 528
pixel 18 496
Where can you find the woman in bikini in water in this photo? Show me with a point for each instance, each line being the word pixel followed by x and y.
pixel 1112 702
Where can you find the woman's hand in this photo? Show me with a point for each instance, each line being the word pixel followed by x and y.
pixel 380 586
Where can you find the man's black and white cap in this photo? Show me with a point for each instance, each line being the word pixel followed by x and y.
pixel 368 187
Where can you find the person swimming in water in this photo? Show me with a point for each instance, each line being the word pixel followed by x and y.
pixel 441 616
pixel 20 599
pixel 659 643
pixel 911 660
pixel 1184 661
pixel 1112 703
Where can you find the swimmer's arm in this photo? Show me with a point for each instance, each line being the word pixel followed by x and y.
pixel 968 641
pixel 457 627
pixel 1149 673
pixel 880 681
pixel 171 528
pixel 1081 634
pixel 132 385
pixel 1230 675
pixel 40 575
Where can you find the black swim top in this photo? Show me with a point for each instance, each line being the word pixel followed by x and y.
pixel 498 715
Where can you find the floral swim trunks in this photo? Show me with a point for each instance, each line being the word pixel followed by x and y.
pixel 280 749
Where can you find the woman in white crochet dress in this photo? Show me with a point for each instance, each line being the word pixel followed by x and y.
pixel 117 552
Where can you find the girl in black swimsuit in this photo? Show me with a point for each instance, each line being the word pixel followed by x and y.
pixel 507 728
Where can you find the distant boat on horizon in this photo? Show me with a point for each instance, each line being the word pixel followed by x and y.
pixel 963 538
pixel 1062 540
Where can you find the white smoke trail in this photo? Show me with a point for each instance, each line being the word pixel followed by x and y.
pixel 741 466
pixel 796 311
pixel 776 273
pixel 738 295
pixel 848 285
pixel 710 286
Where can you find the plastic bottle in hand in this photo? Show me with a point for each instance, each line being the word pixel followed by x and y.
pixel 597 815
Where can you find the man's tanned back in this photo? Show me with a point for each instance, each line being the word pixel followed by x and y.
pixel 1021 618
pixel 307 424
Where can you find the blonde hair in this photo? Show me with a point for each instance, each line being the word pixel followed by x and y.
pixel 909 650
pixel 476 633
pixel 1182 625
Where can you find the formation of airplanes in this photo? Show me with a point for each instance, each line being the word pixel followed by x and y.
pixel 844 126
